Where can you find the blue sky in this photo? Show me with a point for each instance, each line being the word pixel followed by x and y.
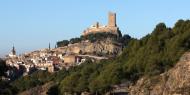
pixel 32 24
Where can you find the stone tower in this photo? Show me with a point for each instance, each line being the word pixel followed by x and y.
pixel 112 20
pixel 13 51
pixel 111 27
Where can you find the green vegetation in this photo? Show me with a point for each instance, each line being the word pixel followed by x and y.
pixel 149 56
pixel 90 37
pixel 5 88
pixel 99 36
pixel 75 40
pixel 3 67
pixel 37 78
pixel 125 40
pixel 62 43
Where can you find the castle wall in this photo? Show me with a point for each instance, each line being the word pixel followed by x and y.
pixel 111 27
pixel 100 30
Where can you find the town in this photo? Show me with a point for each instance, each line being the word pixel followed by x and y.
pixel 74 54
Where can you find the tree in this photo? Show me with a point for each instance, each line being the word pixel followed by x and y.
pixel 62 43
pixel 75 40
pixel 100 36
pixel 69 83
pixel 125 39
pixel 3 67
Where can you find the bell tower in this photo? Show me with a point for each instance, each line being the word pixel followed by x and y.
pixel 112 19
pixel 13 51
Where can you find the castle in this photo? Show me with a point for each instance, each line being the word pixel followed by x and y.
pixel 110 28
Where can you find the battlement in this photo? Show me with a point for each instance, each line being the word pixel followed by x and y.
pixel 97 28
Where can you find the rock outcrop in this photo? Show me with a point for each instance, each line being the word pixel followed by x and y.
pixel 176 81
pixel 104 47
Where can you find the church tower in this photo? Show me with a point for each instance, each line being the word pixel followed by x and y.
pixel 112 19
pixel 13 51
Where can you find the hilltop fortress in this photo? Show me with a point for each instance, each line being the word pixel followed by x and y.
pixel 110 28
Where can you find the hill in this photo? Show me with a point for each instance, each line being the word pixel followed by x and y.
pixel 149 56
pixel 173 82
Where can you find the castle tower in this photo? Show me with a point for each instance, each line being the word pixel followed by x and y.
pixel 111 27
pixel 112 19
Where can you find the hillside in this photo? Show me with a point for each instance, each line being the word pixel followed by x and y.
pixel 106 47
pixel 176 81
pixel 149 56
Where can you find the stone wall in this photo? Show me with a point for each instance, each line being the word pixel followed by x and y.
pixel 113 30
pixel 111 27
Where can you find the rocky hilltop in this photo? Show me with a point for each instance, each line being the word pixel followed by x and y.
pixel 176 81
pixel 103 48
